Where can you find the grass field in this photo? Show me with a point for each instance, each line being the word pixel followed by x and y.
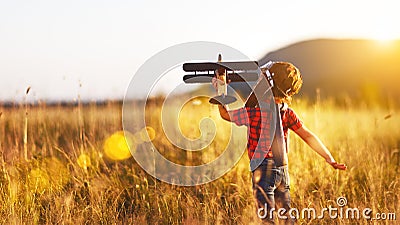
pixel 68 179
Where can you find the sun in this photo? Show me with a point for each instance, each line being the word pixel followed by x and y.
pixel 386 34
pixel 385 38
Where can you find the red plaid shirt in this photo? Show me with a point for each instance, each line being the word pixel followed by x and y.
pixel 256 119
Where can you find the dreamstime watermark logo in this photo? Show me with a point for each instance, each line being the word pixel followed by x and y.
pixel 339 212
pixel 134 115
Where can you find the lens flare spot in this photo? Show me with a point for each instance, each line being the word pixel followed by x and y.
pixel 84 161
pixel 59 175
pixel 119 146
pixel 191 114
pixel 147 134
pixel 38 180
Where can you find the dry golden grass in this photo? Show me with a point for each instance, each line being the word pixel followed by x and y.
pixel 51 187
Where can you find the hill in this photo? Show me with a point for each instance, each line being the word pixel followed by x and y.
pixel 354 68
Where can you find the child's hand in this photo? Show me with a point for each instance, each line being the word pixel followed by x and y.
pixel 214 83
pixel 336 165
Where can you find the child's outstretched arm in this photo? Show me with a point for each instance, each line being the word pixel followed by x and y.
pixel 316 144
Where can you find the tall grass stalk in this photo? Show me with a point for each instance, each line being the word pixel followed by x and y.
pixel 26 124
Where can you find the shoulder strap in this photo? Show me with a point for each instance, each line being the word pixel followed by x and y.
pixel 278 144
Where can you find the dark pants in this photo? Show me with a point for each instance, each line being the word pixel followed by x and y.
pixel 271 190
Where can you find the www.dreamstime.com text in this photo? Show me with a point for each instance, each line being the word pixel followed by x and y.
pixel 340 212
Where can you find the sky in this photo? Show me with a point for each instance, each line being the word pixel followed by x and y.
pixel 93 48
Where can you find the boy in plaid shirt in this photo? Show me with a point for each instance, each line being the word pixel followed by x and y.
pixel 270 175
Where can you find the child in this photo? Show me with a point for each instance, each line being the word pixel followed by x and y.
pixel 270 176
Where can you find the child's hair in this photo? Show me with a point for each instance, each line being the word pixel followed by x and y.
pixel 287 80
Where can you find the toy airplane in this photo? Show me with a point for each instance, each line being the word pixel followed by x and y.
pixel 204 72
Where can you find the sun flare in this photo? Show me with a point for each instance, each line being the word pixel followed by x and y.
pixel 384 39
pixel 386 35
